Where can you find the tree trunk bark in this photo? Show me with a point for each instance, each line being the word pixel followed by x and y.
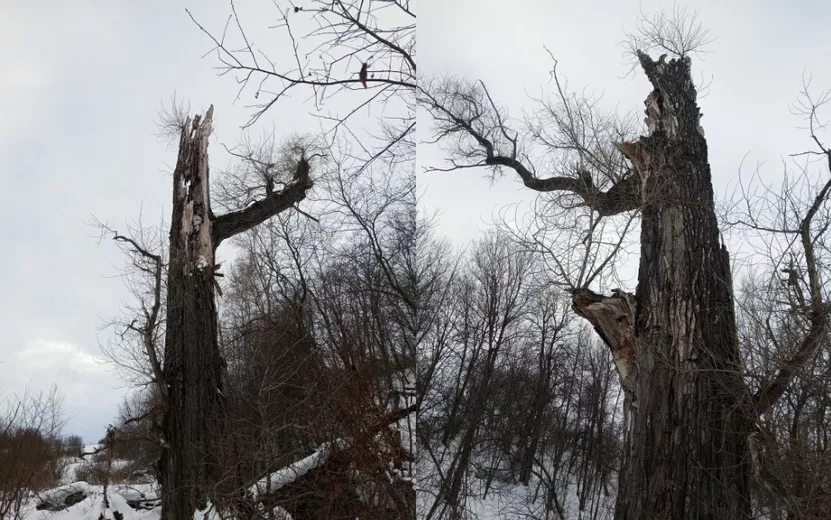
pixel 536 419
pixel 192 364
pixel 675 345
pixel 194 414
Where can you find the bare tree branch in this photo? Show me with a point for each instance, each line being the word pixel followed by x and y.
pixel 464 111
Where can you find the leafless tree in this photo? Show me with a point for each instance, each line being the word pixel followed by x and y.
pixel 176 311
pixel 585 210
pixel 337 296
pixel 787 305
pixel 493 296
pixel 376 39
pixel 324 46
pixel 137 348
pixel 674 343
pixel 534 411
pixel 678 34
pixel 30 453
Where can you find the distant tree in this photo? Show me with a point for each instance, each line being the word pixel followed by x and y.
pixel 30 452
pixel 74 444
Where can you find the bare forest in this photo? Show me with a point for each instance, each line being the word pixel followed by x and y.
pixel 301 335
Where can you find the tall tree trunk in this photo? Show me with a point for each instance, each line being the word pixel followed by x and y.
pixel 535 422
pixel 194 415
pixel 192 364
pixel 675 344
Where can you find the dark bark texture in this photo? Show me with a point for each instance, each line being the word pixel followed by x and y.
pixel 192 364
pixel 687 455
pixel 675 346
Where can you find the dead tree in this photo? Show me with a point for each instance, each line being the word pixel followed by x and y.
pixel 686 440
pixel 192 363
pixel 689 415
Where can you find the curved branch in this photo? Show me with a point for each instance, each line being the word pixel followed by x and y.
pixel 623 196
pixel 230 224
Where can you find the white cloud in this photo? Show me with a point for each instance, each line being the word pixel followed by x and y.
pixel 48 355
pixel 90 388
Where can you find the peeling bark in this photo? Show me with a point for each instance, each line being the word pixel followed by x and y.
pixel 192 364
pixel 686 452
pixel 194 412
pixel 613 317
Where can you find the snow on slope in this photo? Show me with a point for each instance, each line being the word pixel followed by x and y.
pixel 92 507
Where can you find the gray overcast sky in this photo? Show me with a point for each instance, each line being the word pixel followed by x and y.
pixel 83 82
pixel 756 65
pixel 79 96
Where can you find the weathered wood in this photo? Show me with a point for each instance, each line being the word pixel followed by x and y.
pixel 192 364
pixel 613 317
pixel 194 412
pixel 686 454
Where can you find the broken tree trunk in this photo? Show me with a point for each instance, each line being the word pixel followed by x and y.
pixel 675 343
pixel 192 364
pixel 194 413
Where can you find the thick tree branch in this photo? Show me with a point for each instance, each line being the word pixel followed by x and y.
pixel 621 197
pixel 230 224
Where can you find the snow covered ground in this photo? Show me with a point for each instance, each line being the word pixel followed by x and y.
pixel 509 502
pixel 86 501
pixel 92 507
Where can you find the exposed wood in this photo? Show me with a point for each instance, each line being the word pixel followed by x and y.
pixel 194 412
pixel 686 454
pixel 613 317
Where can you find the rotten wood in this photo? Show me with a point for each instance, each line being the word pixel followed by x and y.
pixel 194 411
pixel 613 317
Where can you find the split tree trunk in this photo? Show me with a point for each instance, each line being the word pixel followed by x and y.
pixel 675 343
pixel 194 414
pixel 192 364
